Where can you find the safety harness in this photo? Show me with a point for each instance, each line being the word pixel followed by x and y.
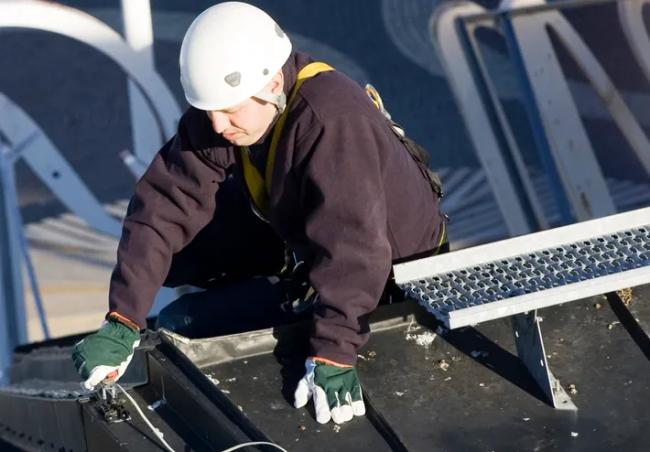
pixel 259 187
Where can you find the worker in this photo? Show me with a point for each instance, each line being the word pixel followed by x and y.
pixel 275 152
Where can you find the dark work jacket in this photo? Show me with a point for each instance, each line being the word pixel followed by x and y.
pixel 346 196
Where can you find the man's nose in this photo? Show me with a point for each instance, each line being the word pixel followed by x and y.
pixel 220 121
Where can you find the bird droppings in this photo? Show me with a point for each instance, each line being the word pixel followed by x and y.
pixel 598 305
pixel 241 408
pixel 225 391
pixel 574 434
pixel 443 365
pixel 525 419
pixel 399 393
pixel 336 428
pixel 610 326
pixel 372 354
pixel 572 389
pixel 231 380
pixel 482 385
pixel 448 378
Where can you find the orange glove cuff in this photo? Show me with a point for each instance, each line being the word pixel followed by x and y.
pixel 319 360
pixel 123 320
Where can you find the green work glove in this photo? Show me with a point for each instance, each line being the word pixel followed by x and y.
pixel 335 389
pixel 105 355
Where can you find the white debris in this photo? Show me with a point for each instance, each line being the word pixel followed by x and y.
pixel 443 365
pixel 482 385
pixel 277 405
pixel 154 406
pixel 225 391
pixel 412 326
pixel 574 434
pixel 424 340
pixel 448 378
pixel 399 394
pixel 336 428
pixel 231 380
pixel 525 419
pixel 212 379
pixel 613 324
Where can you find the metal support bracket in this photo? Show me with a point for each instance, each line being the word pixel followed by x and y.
pixel 530 348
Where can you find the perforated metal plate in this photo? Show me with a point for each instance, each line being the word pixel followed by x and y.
pixel 529 273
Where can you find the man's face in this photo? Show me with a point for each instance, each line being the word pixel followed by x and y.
pixel 245 123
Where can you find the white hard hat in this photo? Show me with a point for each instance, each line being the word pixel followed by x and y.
pixel 229 53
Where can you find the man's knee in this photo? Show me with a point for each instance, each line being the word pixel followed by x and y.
pixel 176 316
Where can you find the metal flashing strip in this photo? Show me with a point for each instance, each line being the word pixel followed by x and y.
pixel 532 271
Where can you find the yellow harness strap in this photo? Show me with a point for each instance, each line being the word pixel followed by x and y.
pixel 259 187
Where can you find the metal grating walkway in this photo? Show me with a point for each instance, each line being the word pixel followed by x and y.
pixel 486 285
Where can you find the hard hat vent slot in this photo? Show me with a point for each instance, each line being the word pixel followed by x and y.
pixel 233 79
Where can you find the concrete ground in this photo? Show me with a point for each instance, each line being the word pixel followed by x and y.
pixel 75 296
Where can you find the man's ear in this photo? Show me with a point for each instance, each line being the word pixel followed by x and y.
pixel 276 85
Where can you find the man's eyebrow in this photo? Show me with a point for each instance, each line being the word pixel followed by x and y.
pixel 231 109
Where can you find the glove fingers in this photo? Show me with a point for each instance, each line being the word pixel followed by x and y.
pixel 321 407
pixel 97 375
pixel 343 412
pixel 302 394
pixel 358 407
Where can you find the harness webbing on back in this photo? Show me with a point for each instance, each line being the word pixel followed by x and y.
pixel 259 187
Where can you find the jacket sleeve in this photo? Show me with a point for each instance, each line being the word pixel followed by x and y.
pixel 342 194
pixel 173 201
